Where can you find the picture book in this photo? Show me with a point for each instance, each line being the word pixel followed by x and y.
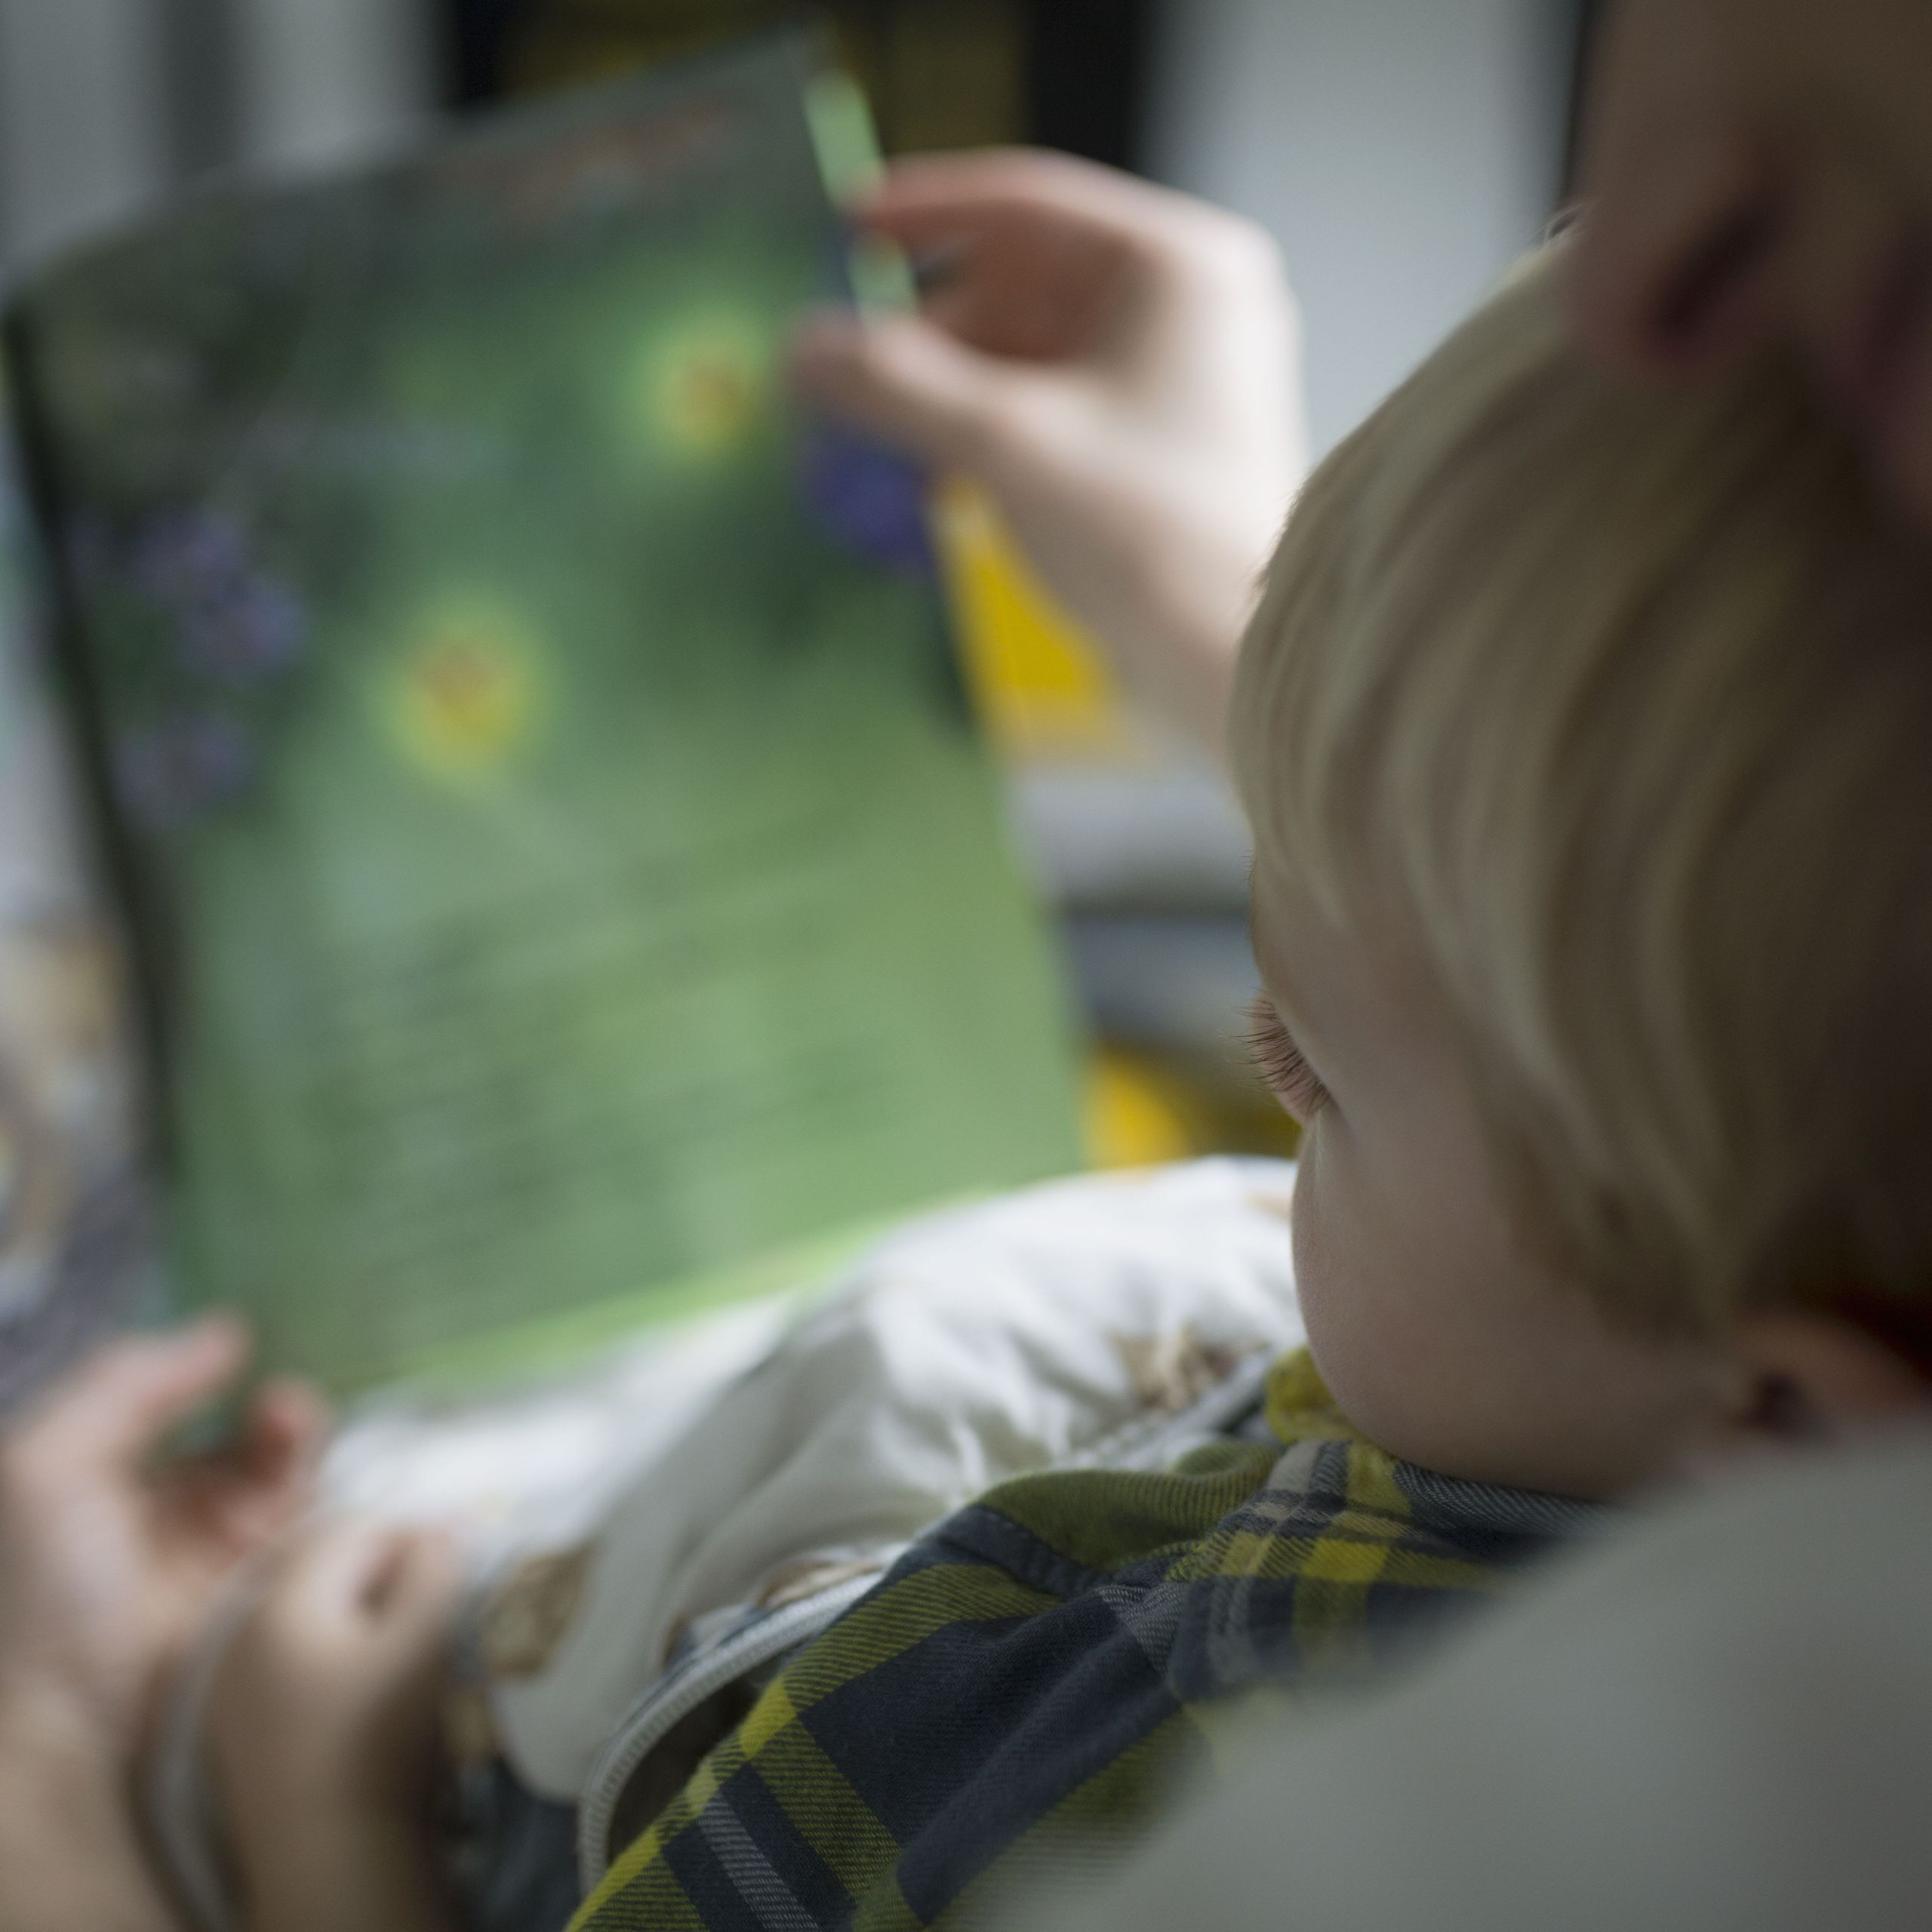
pixel 560 870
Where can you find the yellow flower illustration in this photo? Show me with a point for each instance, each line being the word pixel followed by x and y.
pixel 464 700
pixel 704 386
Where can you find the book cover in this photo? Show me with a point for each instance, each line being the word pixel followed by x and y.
pixel 73 1230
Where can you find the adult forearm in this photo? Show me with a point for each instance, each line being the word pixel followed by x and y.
pixel 1176 649
pixel 342 1875
pixel 1165 585
pixel 70 1854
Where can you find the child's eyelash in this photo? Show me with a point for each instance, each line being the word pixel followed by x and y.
pixel 1279 1061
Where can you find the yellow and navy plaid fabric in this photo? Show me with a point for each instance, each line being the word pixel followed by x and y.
pixel 1033 1676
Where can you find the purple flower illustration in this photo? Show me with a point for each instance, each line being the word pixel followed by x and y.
pixel 867 499
pixel 232 623
pixel 251 635
pixel 170 773
pixel 191 557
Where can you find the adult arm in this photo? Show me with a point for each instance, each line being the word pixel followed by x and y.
pixel 1118 367
pixel 69 1853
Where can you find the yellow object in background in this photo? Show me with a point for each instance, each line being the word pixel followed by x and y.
pixel 1135 1116
pixel 1141 1111
pixel 1038 679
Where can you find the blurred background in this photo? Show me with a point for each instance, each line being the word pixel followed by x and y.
pixel 1402 151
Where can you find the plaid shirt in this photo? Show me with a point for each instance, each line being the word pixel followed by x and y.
pixel 1029 1681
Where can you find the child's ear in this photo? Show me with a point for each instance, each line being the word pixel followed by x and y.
pixel 1810 1373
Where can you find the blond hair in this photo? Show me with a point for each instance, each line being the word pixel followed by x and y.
pixel 1625 703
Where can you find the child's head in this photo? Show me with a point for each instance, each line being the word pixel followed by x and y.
pixel 1587 739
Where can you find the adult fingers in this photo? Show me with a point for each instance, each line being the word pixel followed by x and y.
pixel 912 384
pixel 1671 271
pixel 348 1573
pixel 1857 284
pixel 282 1438
pixel 250 1490
pixel 1082 218
pixel 117 1407
pixel 288 1425
pixel 387 1595
pixel 407 1638
pixel 423 1579
pixel 320 1598
pixel 927 198
pixel 1846 279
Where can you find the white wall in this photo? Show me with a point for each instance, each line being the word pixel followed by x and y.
pixel 93 94
pixel 1402 151
pixel 330 79
pixel 82 124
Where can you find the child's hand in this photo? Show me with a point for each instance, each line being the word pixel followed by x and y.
pixel 324 1728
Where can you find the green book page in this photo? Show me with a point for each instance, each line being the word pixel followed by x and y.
pixel 567 868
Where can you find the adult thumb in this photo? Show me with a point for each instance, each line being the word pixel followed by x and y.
pixel 112 1411
pixel 899 378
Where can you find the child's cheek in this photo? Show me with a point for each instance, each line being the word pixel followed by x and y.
pixel 1360 1323
pixel 1320 1266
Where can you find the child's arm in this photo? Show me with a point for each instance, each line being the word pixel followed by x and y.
pixel 325 1730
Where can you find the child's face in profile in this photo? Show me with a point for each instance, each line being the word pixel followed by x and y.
pixel 1439 1334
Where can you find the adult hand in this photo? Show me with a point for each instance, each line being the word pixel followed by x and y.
pixel 1117 366
pixel 1761 167
pixel 326 1730
pixel 106 1566
pixel 108 1563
